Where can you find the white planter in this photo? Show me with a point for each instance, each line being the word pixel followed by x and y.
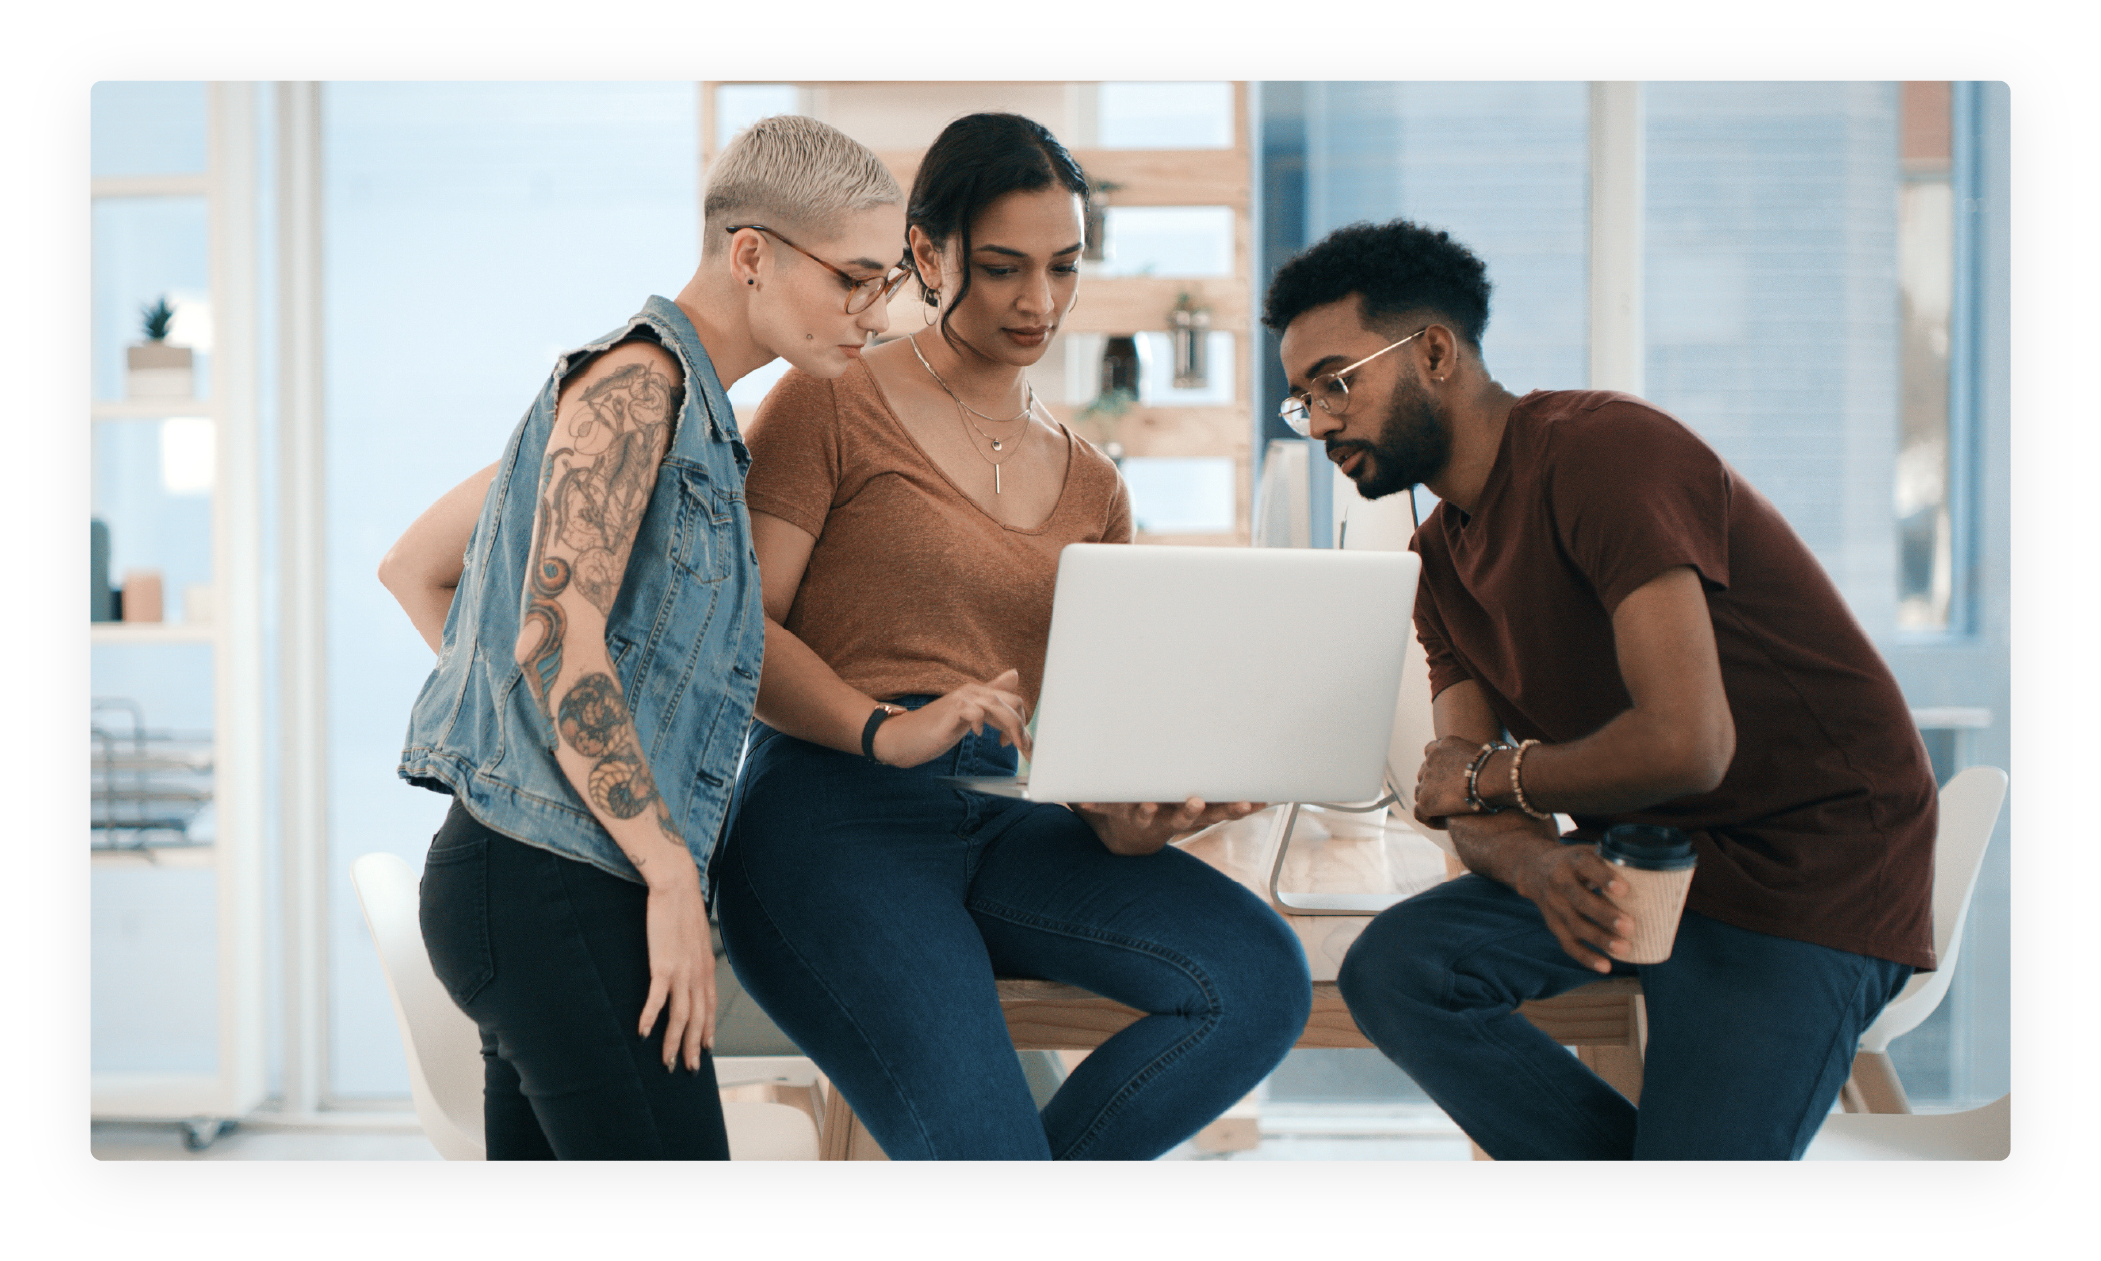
pixel 158 370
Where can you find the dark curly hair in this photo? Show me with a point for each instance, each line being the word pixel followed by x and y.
pixel 1398 267
pixel 976 160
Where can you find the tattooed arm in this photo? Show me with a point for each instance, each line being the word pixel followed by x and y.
pixel 423 567
pixel 611 430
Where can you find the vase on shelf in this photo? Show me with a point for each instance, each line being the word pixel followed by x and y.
pixel 153 368
pixel 141 596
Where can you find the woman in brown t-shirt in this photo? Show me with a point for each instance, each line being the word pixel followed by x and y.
pixel 908 519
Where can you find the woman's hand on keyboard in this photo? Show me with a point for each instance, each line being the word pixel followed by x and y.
pixel 931 730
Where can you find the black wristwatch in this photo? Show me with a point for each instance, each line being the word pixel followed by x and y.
pixel 868 730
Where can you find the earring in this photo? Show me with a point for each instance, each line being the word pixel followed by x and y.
pixel 750 281
pixel 930 301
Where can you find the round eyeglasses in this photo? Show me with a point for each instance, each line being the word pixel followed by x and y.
pixel 860 294
pixel 1329 391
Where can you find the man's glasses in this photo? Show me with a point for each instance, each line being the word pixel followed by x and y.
pixel 861 294
pixel 1330 391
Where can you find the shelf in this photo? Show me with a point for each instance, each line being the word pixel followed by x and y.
pixel 151 633
pixel 154 408
pixel 155 856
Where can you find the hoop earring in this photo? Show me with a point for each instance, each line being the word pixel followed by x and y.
pixel 932 303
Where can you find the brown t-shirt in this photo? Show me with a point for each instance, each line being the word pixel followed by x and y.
pixel 1823 828
pixel 913 588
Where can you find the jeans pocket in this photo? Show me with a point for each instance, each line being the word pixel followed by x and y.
pixel 453 910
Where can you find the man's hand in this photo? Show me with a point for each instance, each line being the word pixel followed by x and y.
pixel 1138 828
pixel 1570 885
pixel 1440 784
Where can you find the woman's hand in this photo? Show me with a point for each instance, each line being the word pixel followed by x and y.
pixel 925 733
pixel 681 968
pixel 1144 827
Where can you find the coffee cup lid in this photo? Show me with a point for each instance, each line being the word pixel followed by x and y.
pixel 1648 847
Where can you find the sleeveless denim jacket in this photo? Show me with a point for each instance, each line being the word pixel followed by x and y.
pixel 685 633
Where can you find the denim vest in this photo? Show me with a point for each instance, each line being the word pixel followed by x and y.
pixel 685 633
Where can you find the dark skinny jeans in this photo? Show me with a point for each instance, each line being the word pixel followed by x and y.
pixel 551 959
pixel 869 909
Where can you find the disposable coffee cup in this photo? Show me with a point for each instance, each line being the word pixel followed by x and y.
pixel 1656 864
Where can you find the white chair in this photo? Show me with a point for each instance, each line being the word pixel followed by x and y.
pixel 444 1047
pixel 1969 809
pixel 1984 1133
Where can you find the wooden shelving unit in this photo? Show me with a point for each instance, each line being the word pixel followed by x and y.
pixel 234 633
pixel 1109 304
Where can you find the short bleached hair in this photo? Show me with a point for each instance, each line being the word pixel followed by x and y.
pixel 796 175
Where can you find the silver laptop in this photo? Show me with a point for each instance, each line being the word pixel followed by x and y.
pixel 1230 674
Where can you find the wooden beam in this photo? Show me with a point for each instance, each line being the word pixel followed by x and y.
pixel 1134 304
pixel 1144 177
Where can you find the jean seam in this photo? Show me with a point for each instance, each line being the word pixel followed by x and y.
pixel 598 974
pixel 845 1011
pixel 1161 1062
pixel 1482 1030
pixel 1860 982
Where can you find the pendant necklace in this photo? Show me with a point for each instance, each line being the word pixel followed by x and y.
pixel 964 411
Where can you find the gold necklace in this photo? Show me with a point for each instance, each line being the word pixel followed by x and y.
pixel 1028 408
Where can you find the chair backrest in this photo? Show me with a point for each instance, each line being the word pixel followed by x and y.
pixel 444 1047
pixel 1385 525
pixel 1969 809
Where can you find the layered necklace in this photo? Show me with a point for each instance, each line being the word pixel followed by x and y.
pixel 965 411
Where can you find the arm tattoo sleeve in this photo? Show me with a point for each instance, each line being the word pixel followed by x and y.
pixel 593 493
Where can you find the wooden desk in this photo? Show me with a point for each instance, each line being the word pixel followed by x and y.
pixel 1333 853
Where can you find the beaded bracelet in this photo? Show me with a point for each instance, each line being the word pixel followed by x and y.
pixel 1517 789
pixel 1473 775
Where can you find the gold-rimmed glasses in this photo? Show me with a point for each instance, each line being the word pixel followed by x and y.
pixel 861 294
pixel 1330 392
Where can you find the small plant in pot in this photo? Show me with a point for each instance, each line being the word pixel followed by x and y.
pixel 153 368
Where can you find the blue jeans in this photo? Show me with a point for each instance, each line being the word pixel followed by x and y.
pixel 868 909
pixel 1751 1036
pixel 550 957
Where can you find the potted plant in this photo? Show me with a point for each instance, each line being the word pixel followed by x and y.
pixel 1105 416
pixel 153 368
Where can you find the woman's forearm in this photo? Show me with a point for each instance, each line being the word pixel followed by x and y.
pixel 802 696
pixel 422 569
pixel 427 607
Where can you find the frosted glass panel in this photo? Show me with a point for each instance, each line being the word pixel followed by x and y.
pixel 153 969
pixel 739 105
pixel 147 129
pixel 1156 372
pixel 1168 241
pixel 1166 116
pixel 1773 301
pixel 148 248
pixel 475 231
pixel 144 488
pixel 1181 496
pixel 1504 167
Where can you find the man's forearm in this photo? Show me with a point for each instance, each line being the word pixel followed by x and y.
pixel 1630 763
pixel 1499 846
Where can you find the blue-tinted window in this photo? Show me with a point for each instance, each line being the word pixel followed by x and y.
pixel 147 129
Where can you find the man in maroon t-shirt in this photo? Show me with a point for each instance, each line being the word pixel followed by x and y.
pixel 1619 629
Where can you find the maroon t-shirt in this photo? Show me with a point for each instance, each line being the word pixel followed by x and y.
pixel 1823 828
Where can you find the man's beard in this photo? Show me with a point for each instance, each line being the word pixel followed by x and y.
pixel 1413 445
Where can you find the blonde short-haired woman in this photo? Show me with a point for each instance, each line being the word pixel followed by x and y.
pixel 598 654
